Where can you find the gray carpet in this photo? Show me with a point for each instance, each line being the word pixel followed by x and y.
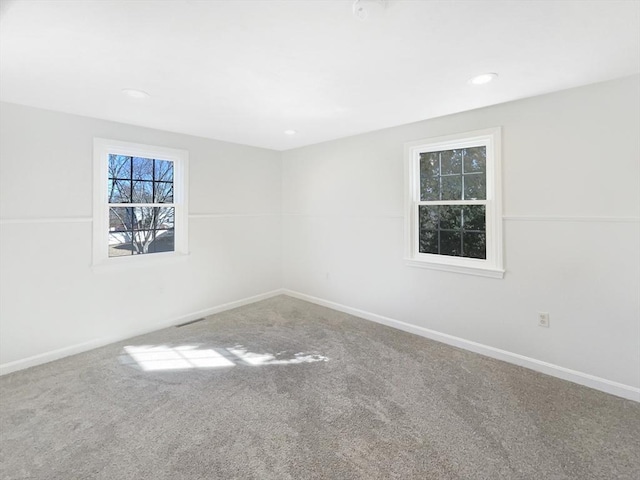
pixel 283 389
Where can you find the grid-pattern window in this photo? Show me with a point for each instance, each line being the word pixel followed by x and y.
pixel 140 203
pixel 141 210
pixel 458 178
pixel 454 210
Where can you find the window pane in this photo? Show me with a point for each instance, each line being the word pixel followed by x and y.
pixel 475 186
pixel 123 237
pixel 164 170
pixel 429 179
pixel 475 245
pixel 142 168
pixel 452 187
pixel 120 219
pixel 429 164
pixel 120 244
pixel 428 217
pixel 450 217
pixel 165 217
pixel 475 159
pixel 451 162
pixel 144 218
pixel 119 166
pixel 441 175
pixel 430 188
pixel 119 191
pixel 142 192
pixel 441 230
pixel 153 218
pixel 428 241
pixel 163 242
pixel 474 217
pixel 153 229
pixel 428 225
pixel 164 192
pixel 451 243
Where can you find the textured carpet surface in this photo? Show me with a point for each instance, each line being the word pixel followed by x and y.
pixel 283 389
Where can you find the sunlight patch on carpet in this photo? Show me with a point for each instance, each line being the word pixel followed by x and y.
pixel 182 357
pixel 185 357
pixel 277 359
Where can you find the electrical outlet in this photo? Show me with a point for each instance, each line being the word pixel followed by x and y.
pixel 543 319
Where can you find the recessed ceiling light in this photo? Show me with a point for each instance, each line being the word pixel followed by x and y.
pixel 290 132
pixel 482 79
pixel 133 93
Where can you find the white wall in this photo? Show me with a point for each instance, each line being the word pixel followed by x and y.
pixel 51 299
pixel 572 233
pixel 330 219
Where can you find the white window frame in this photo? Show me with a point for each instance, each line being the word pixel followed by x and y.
pixel 102 148
pixel 492 266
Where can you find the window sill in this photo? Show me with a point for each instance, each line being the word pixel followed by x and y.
pixel 138 261
pixel 464 269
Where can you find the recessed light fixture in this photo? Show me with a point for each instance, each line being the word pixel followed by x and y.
pixel 482 79
pixel 133 93
pixel 290 132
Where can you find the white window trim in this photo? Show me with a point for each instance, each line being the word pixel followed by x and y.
pixel 102 147
pixel 493 265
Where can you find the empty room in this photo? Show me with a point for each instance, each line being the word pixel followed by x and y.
pixel 319 239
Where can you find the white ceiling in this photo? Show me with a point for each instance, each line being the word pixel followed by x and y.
pixel 245 71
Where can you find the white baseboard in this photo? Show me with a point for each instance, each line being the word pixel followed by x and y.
pixel 46 357
pixel 602 384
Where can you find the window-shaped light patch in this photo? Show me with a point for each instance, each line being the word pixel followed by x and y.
pixel 184 357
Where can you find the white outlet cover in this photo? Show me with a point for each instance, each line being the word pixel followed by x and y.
pixel 543 319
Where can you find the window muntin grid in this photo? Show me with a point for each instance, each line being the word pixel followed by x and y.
pixel 452 230
pixel 141 209
pixel 139 180
pixel 452 207
pixel 457 174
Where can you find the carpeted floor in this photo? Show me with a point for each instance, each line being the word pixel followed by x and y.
pixel 284 389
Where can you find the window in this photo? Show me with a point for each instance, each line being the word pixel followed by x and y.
pixel 454 213
pixel 140 205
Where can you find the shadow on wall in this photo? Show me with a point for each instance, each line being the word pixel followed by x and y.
pixel 184 357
